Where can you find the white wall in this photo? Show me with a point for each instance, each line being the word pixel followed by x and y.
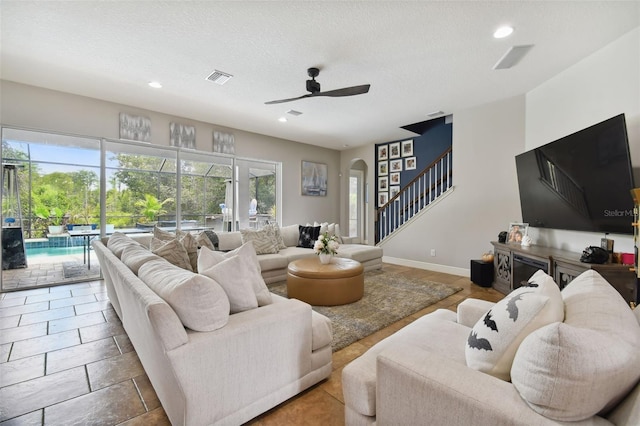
pixel 601 86
pixel 485 197
pixel 50 111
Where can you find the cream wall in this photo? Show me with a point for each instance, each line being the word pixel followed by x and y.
pixel 601 86
pixel 484 200
pixel 46 110
pixel 487 138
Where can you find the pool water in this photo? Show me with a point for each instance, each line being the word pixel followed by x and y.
pixel 53 251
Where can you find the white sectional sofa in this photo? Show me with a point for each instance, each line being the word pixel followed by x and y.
pixel 274 265
pixel 207 365
pixel 482 367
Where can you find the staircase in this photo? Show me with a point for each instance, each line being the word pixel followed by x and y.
pixel 423 190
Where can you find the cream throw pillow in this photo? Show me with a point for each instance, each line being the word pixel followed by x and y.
pixel 200 303
pixel 290 235
pixel 264 241
pixel 250 265
pixel 495 338
pixel 173 251
pixel 235 278
pixel 573 370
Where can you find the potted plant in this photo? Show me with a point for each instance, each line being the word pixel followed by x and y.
pixel 53 216
pixel 151 208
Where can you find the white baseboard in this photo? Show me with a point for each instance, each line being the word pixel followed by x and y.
pixel 463 272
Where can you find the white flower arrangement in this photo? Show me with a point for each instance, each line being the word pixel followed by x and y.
pixel 326 244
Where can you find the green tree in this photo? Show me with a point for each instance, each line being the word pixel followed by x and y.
pixel 152 207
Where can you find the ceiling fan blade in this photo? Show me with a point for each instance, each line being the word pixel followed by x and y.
pixel 347 91
pixel 281 101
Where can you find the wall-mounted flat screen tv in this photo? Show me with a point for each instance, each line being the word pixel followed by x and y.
pixel 580 182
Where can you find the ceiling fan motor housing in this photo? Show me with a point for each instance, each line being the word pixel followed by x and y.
pixel 313 86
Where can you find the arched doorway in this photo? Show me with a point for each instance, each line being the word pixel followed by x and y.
pixel 358 199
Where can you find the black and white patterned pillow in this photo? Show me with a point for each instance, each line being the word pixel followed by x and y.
pixel 308 236
pixel 495 338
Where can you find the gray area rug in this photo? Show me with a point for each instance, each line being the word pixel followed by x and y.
pixel 79 270
pixel 388 297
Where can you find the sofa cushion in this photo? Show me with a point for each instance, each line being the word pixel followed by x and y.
pixel 495 338
pixel 264 242
pixel 573 370
pixel 290 235
pixel 229 241
pixel 235 278
pixel 274 231
pixel 200 302
pixel 135 256
pixel 173 251
pixel 360 252
pixel 118 242
pixel 308 236
pixel 250 266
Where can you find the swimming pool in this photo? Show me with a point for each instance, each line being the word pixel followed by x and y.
pixel 42 252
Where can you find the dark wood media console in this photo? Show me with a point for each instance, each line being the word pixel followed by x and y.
pixel 562 265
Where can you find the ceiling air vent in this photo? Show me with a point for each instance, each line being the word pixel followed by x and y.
pixel 512 57
pixel 294 112
pixel 219 77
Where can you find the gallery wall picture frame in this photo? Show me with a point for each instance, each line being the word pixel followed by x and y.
pixel 224 143
pixel 394 178
pixel 182 135
pixel 383 183
pixel 517 230
pixel 395 165
pixel 394 150
pixel 383 152
pixel 314 179
pixel 410 163
pixel 407 148
pixel 393 191
pixel 383 168
pixel 383 198
pixel 135 127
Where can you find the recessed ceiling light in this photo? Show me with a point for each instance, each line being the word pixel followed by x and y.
pixel 155 85
pixel 503 32
pixel 282 119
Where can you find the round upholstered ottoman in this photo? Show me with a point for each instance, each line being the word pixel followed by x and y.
pixel 336 283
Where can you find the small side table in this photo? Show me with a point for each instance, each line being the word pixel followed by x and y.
pixel 482 273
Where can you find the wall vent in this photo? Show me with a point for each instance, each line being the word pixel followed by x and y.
pixel 219 77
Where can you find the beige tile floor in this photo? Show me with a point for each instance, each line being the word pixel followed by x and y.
pixel 65 359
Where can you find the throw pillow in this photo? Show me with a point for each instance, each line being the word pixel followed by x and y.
pixel 264 242
pixel 208 258
pixel 308 236
pixel 495 338
pixel 118 241
pixel 173 251
pixel 163 235
pixel 583 366
pixel 190 244
pixel 208 238
pixel 235 278
pixel 135 256
pixel 274 230
pixel 290 235
pixel 200 303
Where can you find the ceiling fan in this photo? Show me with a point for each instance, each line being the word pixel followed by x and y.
pixel 314 88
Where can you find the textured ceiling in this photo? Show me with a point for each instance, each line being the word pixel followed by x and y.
pixel 418 56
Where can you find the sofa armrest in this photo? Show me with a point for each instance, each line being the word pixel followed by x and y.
pixel 471 310
pixel 414 385
pixel 270 347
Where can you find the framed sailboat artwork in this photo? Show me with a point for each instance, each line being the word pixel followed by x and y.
pixel 314 179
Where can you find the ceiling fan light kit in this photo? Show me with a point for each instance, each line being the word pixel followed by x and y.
pixel 313 87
